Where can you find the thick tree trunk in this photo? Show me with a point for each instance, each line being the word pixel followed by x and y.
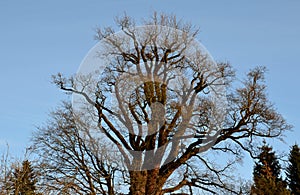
pixel 138 180
pixel 145 182
pixel 152 178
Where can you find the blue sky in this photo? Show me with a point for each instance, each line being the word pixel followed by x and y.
pixel 41 38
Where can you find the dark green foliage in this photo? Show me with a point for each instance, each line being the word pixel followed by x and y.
pixel 266 174
pixel 23 180
pixel 293 170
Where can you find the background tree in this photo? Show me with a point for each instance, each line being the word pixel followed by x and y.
pixel 5 172
pixel 187 114
pixel 266 174
pixel 23 180
pixel 67 164
pixel 293 170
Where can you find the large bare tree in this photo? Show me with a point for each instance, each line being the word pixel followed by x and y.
pixel 158 114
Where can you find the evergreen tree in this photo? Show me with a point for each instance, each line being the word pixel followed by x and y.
pixel 293 170
pixel 24 180
pixel 266 174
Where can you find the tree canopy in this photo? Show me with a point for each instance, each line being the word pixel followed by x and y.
pixel 151 117
pixel 293 170
pixel 22 180
pixel 266 174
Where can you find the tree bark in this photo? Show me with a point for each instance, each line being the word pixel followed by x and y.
pixel 138 181
pixel 146 182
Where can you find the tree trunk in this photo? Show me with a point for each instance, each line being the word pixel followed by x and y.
pixel 138 180
pixel 145 182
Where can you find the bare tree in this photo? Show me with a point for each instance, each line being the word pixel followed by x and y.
pixel 155 102
pixel 65 162
pixel 5 172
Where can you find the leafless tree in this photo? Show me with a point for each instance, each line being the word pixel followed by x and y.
pixel 157 79
pixel 5 171
pixel 66 163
